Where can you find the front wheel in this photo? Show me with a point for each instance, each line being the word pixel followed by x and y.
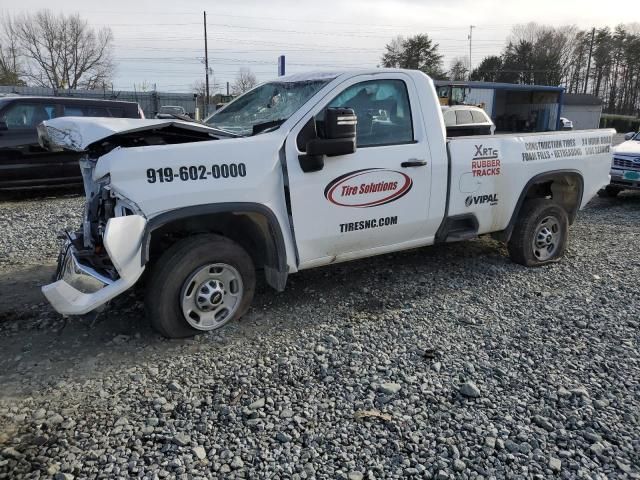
pixel 540 234
pixel 199 284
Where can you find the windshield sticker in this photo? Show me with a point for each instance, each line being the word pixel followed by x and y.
pixel 366 188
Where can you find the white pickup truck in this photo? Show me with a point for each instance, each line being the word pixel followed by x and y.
pixel 301 172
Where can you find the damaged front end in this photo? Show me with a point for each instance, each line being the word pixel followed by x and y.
pixel 103 259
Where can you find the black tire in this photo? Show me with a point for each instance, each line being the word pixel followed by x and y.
pixel 521 246
pixel 609 192
pixel 169 275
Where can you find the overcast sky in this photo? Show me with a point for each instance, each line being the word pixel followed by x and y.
pixel 161 42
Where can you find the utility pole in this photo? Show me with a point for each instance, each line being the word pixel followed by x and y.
pixel 206 67
pixel 471 27
pixel 586 77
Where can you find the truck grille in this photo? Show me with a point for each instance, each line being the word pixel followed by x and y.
pixel 627 164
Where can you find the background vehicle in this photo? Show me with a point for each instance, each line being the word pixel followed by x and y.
pixel 23 162
pixel 465 120
pixel 297 173
pixel 565 124
pixel 172 111
pixel 625 168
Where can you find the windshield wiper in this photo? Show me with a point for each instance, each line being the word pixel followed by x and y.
pixel 267 126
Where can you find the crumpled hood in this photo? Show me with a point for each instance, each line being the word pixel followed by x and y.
pixel 78 133
pixel 629 148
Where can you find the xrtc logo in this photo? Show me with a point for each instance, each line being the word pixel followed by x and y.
pixel 485 162
pixel 481 200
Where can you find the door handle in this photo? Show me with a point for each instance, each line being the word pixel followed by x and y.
pixel 412 162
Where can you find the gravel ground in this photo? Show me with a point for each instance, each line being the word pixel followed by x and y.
pixel 444 362
pixel 29 227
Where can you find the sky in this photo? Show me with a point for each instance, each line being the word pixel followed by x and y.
pixel 161 42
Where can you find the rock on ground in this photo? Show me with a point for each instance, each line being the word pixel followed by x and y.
pixel 259 399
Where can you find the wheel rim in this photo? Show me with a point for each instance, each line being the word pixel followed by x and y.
pixel 211 296
pixel 547 238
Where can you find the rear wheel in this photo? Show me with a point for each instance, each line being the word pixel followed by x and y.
pixel 540 234
pixel 609 192
pixel 199 284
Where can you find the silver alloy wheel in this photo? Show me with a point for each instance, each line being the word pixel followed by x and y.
pixel 211 296
pixel 547 238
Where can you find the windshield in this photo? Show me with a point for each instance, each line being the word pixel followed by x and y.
pixel 265 107
pixel 636 137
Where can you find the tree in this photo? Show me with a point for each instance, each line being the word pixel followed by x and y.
pixel 392 58
pixel 459 68
pixel 489 69
pixel 10 65
pixel 417 53
pixel 245 80
pixel 61 51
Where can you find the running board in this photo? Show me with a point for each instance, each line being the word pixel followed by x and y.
pixel 458 228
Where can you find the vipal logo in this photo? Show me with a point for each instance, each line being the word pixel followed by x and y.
pixel 481 200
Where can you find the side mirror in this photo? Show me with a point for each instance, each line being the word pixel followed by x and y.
pixel 627 136
pixel 340 126
pixel 3 126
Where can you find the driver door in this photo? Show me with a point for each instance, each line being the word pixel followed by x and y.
pixel 361 203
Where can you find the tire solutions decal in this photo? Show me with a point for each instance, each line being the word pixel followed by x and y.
pixel 366 188
pixel 196 172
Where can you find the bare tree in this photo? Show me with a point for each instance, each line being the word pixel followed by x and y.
pixel 459 68
pixel 392 58
pixel 245 80
pixel 62 51
pixel 10 65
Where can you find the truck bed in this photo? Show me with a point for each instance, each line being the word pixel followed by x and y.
pixel 489 173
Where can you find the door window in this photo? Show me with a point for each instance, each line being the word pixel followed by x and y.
pixel 70 111
pixel 382 107
pixel 97 112
pixel 28 115
pixel 479 117
pixel 450 118
pixel 463 117
pixel 115 112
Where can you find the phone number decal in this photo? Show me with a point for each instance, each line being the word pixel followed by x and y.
pixel 196 172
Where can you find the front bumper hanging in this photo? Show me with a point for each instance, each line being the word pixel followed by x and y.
pixel 79 288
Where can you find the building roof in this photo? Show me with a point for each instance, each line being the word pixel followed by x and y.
pixel 581 99
pixel 500 86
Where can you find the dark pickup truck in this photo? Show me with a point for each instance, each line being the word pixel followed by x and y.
pixel 23 162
